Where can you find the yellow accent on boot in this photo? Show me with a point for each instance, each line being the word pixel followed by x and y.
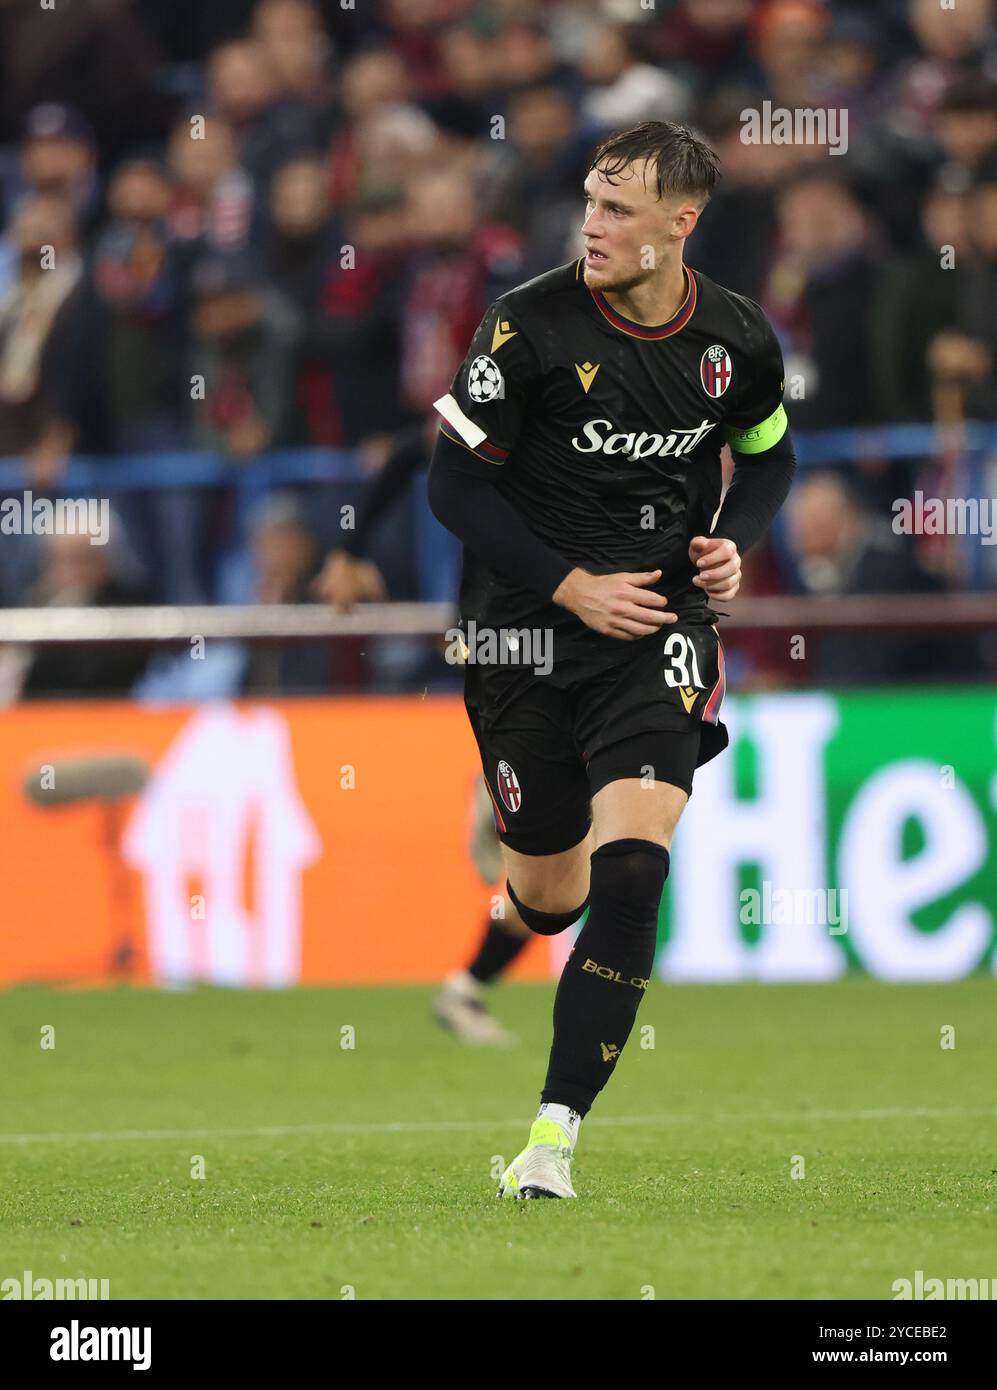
pixel 541 1132
pixel 548 1132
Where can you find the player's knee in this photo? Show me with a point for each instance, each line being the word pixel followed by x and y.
pixel 541 922
pixel 627 880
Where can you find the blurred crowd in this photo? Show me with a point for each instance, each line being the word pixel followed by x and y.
pixel 275 225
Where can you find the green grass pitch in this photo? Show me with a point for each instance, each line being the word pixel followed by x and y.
pixel 331 1169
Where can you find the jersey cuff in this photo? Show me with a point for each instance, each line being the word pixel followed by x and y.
pixel 485 450
pixel 759 437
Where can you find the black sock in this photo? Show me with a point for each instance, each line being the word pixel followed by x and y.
pixel 498 949
pixel 607 972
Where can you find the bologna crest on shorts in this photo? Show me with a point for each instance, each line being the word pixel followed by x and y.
pixel 715 370
pixel 509 789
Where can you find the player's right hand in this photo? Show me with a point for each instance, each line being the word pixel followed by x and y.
pixel 617 605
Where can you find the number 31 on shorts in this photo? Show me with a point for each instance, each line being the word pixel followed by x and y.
pixel 687 656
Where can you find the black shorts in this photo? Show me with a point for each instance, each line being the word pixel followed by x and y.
pixel 546 750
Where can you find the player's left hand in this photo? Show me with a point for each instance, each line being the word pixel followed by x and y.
pixel 719 566
pixel 345 580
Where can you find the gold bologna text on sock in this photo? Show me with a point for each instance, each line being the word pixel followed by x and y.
pixel 606 972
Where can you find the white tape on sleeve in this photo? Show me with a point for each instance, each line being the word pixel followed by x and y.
pixel 471 433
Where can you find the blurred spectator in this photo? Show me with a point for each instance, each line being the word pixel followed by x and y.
pixel 709 38
pixel 917 298
pixel 459 266
pixel 817 298
pixel 37 316
pixel 285 558
pixel 535 185
pixel 269 125
pixel 135 280
pixel 526 57
pixel 40 388
pixel 912 135
pixel 97 56
pixel 952 41
pixel 243 336
pixel 135 327
pixel 841 549
pixel 283 551
pixel 300 237
pixel 393 144
pixel 299 53
pixel 213 198
pixel 460 263
pixel 278 565
pixel 472 72
pixel 623 90
pixel 967 123
pixel 412 27
pixel 962 358
pixel 851 79
pixel 59 156
pixel 789 37
pixel 78 574
pixel 979 299
pixel 348 360
pixel 744 199
pixel 371 82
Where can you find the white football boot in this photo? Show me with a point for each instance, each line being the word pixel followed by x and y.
pixel 543 1169
pixel 460 1006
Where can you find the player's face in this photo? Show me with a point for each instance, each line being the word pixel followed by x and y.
pixel 629 232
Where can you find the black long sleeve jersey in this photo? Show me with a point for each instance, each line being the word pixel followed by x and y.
pixel 605 436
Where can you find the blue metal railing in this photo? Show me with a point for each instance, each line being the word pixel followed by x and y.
pixel 437 553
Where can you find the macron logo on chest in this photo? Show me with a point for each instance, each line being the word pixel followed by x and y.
pixel 602 437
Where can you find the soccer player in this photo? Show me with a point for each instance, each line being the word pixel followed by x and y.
pixel 460 1004
pixel 579 462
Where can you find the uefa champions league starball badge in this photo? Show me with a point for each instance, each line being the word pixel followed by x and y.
pixel 484 380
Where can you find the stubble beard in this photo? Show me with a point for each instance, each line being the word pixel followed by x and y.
pixel 621 285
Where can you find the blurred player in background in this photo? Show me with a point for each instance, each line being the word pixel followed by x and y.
pixel 460 1004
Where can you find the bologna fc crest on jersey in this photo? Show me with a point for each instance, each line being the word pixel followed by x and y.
pixel 715 370
pixel 509 788
pixel 484 380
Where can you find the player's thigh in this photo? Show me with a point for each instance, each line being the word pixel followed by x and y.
pixel 628 810
pixel 641 785
pixel 539 791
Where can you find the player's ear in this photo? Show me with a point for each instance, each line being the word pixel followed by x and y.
pixel 684 221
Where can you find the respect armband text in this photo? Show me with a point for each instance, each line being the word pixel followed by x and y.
pixel 759 437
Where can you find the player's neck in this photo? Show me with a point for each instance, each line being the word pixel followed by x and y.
pixel 656 300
